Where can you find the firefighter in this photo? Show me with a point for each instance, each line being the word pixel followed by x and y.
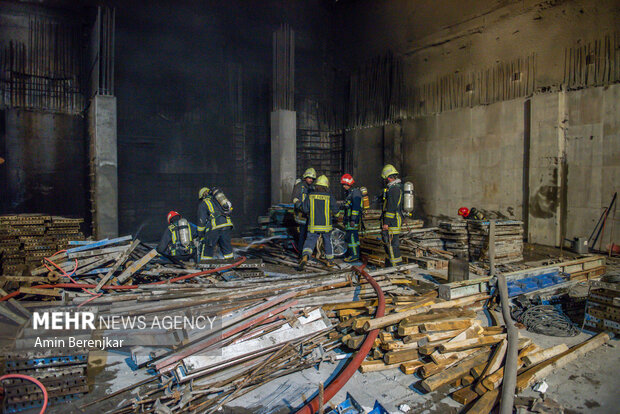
pixel 352 218
pixel 319 206
pixel 391 214
pixel 301 189
pixel 473 214
pixel 178 241
pixel 214 223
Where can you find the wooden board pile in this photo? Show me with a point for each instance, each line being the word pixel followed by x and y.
pixel 411 248
pixel 445 344
pixel 371 223
pixel 603 308
pixel 25 239
pixel 455 238
pixel 508 241
pixel 279 221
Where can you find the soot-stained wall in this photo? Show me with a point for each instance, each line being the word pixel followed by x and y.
pixel 193 86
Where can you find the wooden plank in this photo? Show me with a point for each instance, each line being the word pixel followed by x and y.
pixel 117 264
pixel 44 292
pixel 137 265
pixel 465 395
pixel 375 366
pixel 391 319
pixel 542 369
pixel 471 343
pixel 497 359
pixel 449 325
pixel 399 356
pixel 25 312
pixel 545 354
pixel 410 367
pixel 485 403
pixel 9 314
pixel 453 373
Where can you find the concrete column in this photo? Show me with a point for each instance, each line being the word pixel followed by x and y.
pixel 547 169
pixel 283 154
pixel 103 166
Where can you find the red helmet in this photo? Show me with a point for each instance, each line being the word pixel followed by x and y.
pixel 347 179
pixel 171 215
pixel 463 211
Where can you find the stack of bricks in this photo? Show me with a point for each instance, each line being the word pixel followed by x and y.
pixel 25 239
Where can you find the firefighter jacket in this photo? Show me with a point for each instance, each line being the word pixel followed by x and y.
pixel 299 194
pixel 211 216
pixel 352 209
pixel 319 206
pixel 170 243
pixel 391 213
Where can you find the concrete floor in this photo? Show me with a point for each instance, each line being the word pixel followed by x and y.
pixel 589 385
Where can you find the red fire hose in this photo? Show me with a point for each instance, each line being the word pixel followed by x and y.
pixel 348 371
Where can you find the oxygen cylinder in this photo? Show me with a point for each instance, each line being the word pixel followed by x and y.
pixel 222 200
pixel 184 232
pixel 408 200
pixel 365 199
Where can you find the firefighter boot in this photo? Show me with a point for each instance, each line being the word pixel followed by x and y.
pixel 302 263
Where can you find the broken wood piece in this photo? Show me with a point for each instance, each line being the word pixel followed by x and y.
pixel 449 325
pixel 485 403
pixel 460 370
pixel 497 359
pixel 399 356
pixel 355 342
pixel 414 338
pixel 123 257
pixel 542 369
pixel 408 330
pixel 410 367
pixel 468 379
pixel 476 372
pixel 439 358
pixel 44 292
pixel 137 265
pixel 375 366
pixel 545 354
pixel 471 343
pixel 465 395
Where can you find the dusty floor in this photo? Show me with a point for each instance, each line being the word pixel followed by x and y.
pixel 589 385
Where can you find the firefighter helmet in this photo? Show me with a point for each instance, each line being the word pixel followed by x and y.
pixel 347 179
pixel 463 211
pixel 322 181
pixel 310 173
pixel 172 215
pixel 203 192
pixel 388 170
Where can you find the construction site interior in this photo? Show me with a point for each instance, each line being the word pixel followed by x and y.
pixel 310 206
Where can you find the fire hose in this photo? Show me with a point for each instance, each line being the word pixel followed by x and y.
pixel 343 377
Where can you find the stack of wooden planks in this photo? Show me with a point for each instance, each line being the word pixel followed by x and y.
pixel 603 308
pixel 455 238
pixel 25 239
pixel 508 241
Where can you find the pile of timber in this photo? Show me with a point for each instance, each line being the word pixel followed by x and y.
pixel 411 248
pixel 445 344
pixel 25 239
pixel 602 312
pixel 372 225
pixel 279 220
pixel 508 241
pixel 455 238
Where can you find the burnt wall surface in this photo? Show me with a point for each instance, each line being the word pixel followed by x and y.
pixel 193 86
pixel 45 167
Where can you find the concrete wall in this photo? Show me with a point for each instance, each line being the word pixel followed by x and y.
pixel 469 157
pixel 553 162
pixel 447 36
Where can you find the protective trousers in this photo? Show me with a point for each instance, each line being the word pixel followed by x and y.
pixel 310 244
pixel 303 233
pixel 352 238
pixel 218 237
pixel 391 244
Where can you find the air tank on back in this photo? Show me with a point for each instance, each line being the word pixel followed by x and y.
pixel 222 200
pixel 408 198
pixel 184 232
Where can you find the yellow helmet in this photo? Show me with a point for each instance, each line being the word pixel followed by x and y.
pixel 322 181
pixel 203 191
pixel 310 172
pixel 388 170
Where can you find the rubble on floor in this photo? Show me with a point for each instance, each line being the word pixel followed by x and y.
pixel 269 321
